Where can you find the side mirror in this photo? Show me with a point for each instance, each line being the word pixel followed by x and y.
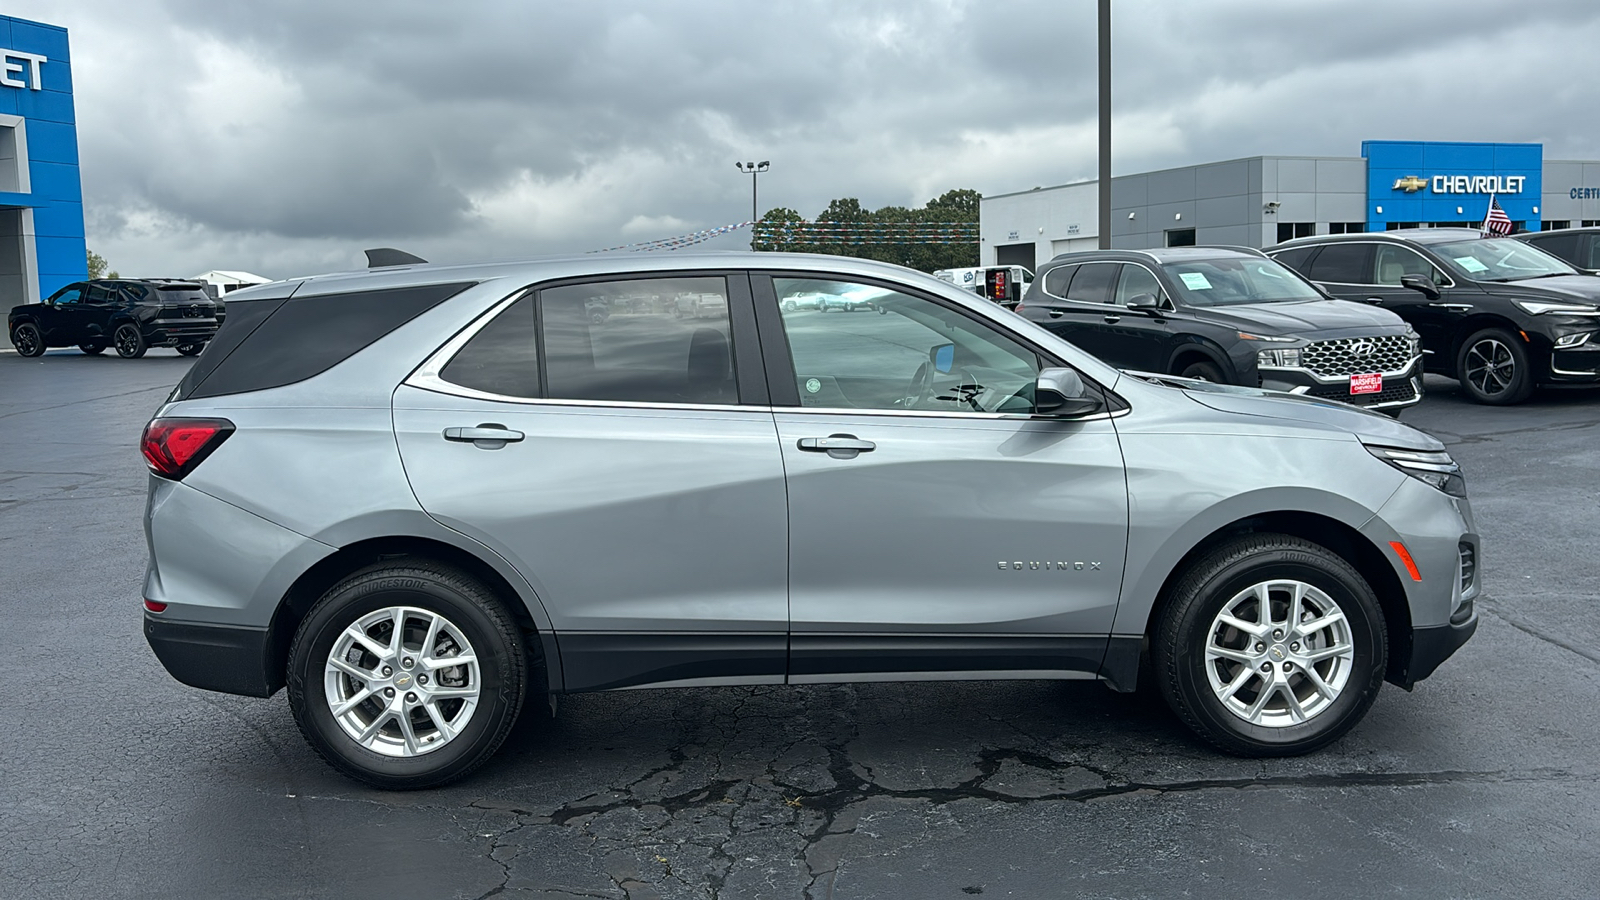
pixel 1060 392
pixel 1143 302
pixel 1421 284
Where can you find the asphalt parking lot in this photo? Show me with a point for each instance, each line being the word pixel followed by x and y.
pixel 116 781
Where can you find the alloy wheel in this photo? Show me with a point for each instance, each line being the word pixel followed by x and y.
pixel 129 343
pixel 402 681
pixel 27 340
pixel 1279 653
pixel 1490 366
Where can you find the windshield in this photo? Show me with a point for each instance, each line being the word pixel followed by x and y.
pixel 1500 259
pixel 1230 282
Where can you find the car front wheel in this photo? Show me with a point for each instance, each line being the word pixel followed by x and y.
pixel 1271 646
pixel 129 342
pixel 191 349
pixel 27 339
pixel 407 675
pixel 1492 366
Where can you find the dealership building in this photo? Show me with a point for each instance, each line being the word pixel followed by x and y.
pixel 1261 200
pixel 41 197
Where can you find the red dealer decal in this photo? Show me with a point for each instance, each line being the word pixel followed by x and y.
pixel 1366 384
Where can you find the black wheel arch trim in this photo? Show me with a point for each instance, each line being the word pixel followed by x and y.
pixel 230 659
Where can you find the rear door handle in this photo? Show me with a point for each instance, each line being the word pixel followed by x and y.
pixel 838 446
pixel 1112 320
pixel 487 436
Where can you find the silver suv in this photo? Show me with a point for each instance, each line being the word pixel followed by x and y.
pixel 419 495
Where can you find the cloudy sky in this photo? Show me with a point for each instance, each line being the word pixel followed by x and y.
pixel 282 137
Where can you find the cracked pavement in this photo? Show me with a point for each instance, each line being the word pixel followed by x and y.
pixel 115 781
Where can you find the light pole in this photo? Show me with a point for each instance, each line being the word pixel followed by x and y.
pixel 754 169
pixel 1105 124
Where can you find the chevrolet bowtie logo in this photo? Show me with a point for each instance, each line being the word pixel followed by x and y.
pixel 1410 184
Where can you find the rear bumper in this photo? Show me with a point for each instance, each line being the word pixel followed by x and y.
pixel 230 659
pixel 172 334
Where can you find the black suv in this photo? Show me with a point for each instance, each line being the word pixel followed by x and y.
pixel 1494 313
pixel 1579 247
pixel 131 316
pixel 1228 315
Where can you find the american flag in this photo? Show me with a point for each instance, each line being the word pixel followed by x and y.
pixel 1496 222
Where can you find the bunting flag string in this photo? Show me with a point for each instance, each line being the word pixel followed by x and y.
pixel 678 242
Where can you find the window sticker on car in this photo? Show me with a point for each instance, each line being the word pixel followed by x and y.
pixel 1195 281
pixel 1471 264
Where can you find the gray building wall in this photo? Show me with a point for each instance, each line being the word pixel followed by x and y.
pixel 1566 182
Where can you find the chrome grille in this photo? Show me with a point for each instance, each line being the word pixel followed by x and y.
pixel 1342 357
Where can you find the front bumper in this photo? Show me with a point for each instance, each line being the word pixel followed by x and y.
pixel 1400 389
pixel 1432 646
pixel 231 659
pixel 1579 365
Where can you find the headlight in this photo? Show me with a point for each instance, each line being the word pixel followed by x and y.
pixel 1540 307
pixel 1414 345
pixel 1434 468
pixel 1567 342
pixel 1287 358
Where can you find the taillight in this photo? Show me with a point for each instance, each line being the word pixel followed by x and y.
pixel 173 447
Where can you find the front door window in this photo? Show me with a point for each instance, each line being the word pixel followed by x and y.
pixel 897 351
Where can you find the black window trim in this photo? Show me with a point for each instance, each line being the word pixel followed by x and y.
pixel 780 363
pixel 748 374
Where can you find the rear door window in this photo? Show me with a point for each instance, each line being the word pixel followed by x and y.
pixel 1092 283
pixel 659 340
pixel 1342 264
pixel 501 358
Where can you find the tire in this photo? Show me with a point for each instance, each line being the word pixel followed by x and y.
pixel 1247 715
pixel 469 620
pixel 191 349
pixel 1493 368
pixel 1204 371
pixel 28 340
pixel 128 341
pixel 92 349
pixel 790 306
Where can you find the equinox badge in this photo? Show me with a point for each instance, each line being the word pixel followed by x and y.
pixel 1075 566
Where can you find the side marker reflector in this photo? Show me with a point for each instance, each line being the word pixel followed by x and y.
pixel 1405 557
pixel 155 606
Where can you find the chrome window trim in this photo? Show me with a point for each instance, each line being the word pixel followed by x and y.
pixel 1088 262
pixel 1449 283
pixel 426 377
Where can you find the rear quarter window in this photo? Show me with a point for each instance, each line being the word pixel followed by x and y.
pixel 273 342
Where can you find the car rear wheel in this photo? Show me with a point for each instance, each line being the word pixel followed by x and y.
pixel 129 342
pixel 92 349
pixel 1203 371
pixel 407 675
pixel 1492 366
pixel 191 349
pixel 1271 646
pixel 27 339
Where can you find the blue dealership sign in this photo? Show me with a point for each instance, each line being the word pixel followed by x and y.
pixel 1435 181
pixel 41 195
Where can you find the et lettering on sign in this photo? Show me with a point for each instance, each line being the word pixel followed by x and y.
pixel 9 65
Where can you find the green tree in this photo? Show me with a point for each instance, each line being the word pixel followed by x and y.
pixel 97 265
pixel 941 235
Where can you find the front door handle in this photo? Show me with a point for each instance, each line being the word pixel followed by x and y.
pixel 1453 307
pixel 487 436
pixel 1112 320
pixel 838 446
pixel 1375 301
pixel 1056 313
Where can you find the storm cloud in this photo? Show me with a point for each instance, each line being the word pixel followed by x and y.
pixel 284 137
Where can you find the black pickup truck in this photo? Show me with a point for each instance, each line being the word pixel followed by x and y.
pixel 129 315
